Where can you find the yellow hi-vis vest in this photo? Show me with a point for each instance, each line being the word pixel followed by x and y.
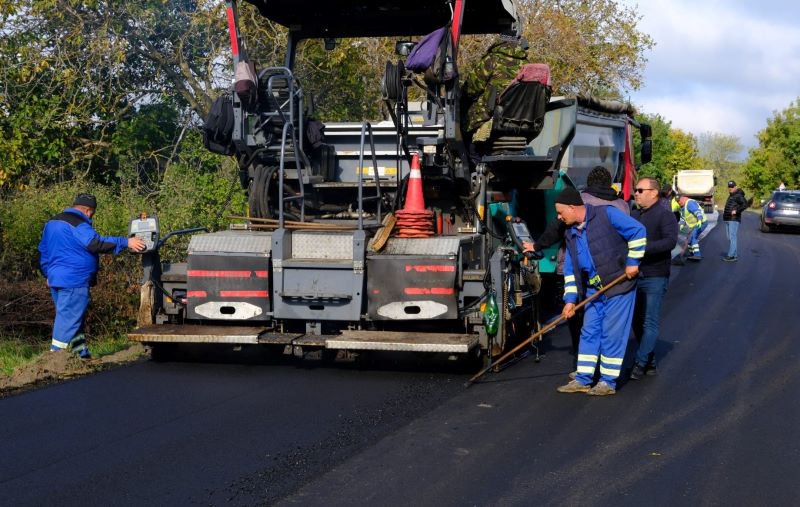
pixel 690 218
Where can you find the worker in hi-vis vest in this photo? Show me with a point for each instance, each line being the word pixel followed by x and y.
pixel 694 218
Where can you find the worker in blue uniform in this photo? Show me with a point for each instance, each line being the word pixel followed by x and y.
pixel 68 257
pixel 693 217
pixel 602 244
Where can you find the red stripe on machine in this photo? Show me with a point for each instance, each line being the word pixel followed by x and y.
pixel 206 273
pixel 437 291
pixel 243 294
pixel 232 30
pixel 428 268
pixel 197 294
pixel 262 274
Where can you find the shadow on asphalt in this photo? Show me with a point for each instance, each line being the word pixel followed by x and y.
pixel 265 355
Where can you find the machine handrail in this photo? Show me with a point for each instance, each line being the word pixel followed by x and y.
pixel 289 129
pixel 367 126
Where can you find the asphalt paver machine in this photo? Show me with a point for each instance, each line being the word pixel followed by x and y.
pixel 394 235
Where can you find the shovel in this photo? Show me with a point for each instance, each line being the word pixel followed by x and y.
pixel 544 330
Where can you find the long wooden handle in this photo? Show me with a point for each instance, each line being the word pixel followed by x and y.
pixel 545 329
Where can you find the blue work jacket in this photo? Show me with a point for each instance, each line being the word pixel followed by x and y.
pixel 70 249
pixel 598 251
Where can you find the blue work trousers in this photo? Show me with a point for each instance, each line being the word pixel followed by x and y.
pixel 694 240
pixel 71 305
pixel 604 337
pixel 732 228
pixel 647 317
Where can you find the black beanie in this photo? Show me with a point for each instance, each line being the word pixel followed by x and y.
pixel 569 196
pixel 87 200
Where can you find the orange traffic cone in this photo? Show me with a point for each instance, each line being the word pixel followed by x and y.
pixel 414 198
pixel 414 221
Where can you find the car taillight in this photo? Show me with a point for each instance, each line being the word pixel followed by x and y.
pixel 771 205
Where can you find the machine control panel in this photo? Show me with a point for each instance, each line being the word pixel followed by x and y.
pixel 145 228
pixel 518 230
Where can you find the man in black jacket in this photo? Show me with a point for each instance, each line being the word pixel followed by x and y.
pixel 654 270
pixel 732 216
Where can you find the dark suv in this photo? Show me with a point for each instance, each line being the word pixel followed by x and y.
pixel 783 208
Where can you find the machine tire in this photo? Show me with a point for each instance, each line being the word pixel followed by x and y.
pixel 765 227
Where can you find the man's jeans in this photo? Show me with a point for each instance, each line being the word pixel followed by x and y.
pixel 732 228
pixel 647 320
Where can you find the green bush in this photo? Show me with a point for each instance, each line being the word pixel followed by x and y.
pixel 25 213
pixel 198 189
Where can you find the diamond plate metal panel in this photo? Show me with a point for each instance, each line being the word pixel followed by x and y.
pixel 186 333
pixel 322 245
pixel 422 246
pixel 416 342
pixel 458 348
pixel 233 242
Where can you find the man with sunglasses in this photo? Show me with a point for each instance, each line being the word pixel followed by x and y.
pixel 655 214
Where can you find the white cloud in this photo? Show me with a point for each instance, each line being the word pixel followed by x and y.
pixel 720 66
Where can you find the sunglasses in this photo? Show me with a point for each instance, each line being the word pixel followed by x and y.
pixel 641 190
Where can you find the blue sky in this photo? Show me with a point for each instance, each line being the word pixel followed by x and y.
pixel 720 66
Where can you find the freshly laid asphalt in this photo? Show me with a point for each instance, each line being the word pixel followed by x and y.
pixel 716 426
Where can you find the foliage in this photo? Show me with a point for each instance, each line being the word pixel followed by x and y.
pixel 102 90
pixel 22 220
pixel 345 81
pixel 684 152
pixel 776 159
pixel 73 72
pixel 663 146
pixel 16 351
pixel 592 46
pixel 194 192
pixel 720 152
pixel 191 195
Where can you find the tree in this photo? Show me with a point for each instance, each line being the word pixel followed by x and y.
pixel 592 46
pixel 776 159
pixel 663 146
pixel 684 152
pixel 720 152
pixel 72 71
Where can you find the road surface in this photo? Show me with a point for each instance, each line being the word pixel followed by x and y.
pixel 715 427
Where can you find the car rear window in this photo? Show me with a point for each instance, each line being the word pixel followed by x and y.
pixel 786 198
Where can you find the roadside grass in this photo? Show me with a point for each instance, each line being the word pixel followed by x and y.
pixel 108 345
pixel 27 313
pixel 18 350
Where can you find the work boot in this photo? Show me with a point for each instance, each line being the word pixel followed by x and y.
pixel 601 389
pixel 573 387
pixel 637 372
pixel 678 261
pixel 573 374
pixel 695 257
pixel 78 346
pixel 728 258
pixel 651 370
